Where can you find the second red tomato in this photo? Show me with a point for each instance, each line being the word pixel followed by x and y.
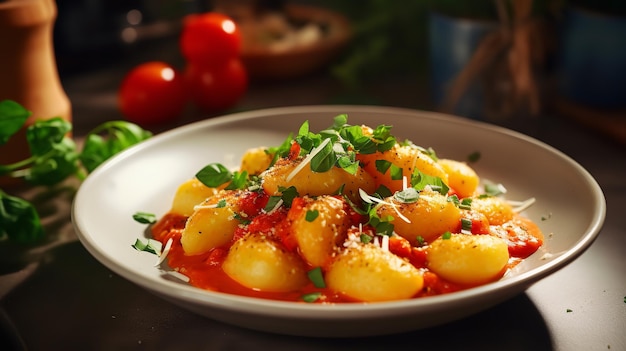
pixel 209 39
pixel 214 89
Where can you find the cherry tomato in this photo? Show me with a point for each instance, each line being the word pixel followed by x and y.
pixel 152 93
pixel 209 39
pixel 215 89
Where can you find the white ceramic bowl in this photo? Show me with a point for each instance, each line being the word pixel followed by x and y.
pixel 144 178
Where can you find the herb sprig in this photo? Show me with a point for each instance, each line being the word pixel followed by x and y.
pixel 54 157
pixel 339 144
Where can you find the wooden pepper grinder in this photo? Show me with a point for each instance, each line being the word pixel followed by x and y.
pixel 28 70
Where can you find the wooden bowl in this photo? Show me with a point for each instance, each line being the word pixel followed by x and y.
pixel 267 58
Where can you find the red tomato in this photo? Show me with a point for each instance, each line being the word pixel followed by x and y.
pixel 214 89
pixel 152 93
pixel 209 39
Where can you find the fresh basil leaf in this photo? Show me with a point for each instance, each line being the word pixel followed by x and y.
pixel 214 175
pixel 271 203
pixel 324 160
pixel 19 220
pixel 493 189
pixel 43 134
pixel 108 139
pixel 151 245
pixel 288 194
pixel 239 181
pixel 311 215
pixel 348 164
pixel 473 157
pixel 382 166
pixel 145 217
pixel 311 297
pixel 59 163
pixel 316 277
pixel 408 195
pixel 420 180
pixel 12 119
pixel 340 121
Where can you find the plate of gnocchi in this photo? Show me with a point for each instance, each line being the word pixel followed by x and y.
pixel 338 221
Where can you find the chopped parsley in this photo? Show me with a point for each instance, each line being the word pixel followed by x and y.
pixel 494 189
pixel 473 157
pixel 316 277
pixel 145 217
pixel 152 246
pixel 311 297
pixel 311 215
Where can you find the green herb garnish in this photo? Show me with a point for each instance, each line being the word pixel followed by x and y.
pixel 420 180
pixel 311 215
pixel 420 240
pixel 473 157
pixel 144 217
pixel 408 195
pixel 152 246
pixel 311 297
pixel 316 277
pixel 493 189
pixel 466 224
pixel 53 158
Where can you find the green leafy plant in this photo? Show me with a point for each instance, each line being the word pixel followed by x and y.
pixel 54 157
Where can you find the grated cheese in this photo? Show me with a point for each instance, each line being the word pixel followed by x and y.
pixel 307 159
pixel 166 251
pixel 520 206
pixel 372 199
pixel 202 207
pixel 277 206
pixel 385 243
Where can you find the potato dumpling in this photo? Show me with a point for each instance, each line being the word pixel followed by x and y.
pixel 494 208
pixel 255 160
pixel 369 273
pixel 468 259
pixel 258 262
pixel 429 217
pixel 212 224
pixel 318 238
pixel 461 177
pixel 308 182
pixel 189 194
pixel 406 157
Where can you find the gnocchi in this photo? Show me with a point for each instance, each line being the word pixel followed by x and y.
pixel 461 177
pixel 369 273
pixel 260 263
pixel 468 259
pixel 428 217
pixel 211 225
pixel 318 238
pixel 190 194
pixel 347 215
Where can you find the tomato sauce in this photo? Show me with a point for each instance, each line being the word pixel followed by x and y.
pixel 205 270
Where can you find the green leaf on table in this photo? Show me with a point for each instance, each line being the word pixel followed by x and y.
pixel 56 165
pixel 12 118
pixel 109 139
pixel 44 134
pixel 19 220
